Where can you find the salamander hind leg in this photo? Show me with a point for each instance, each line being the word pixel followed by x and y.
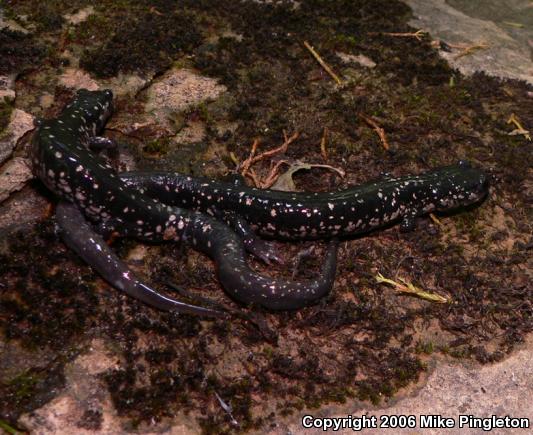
pixel 256 246
pixel 92 248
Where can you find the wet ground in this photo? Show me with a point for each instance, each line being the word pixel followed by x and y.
pixel 194 87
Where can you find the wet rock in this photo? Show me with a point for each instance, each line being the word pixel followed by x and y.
pixel 181 89
pixel 76 79
pixel 79 16
pixel 13 176
pixel 359 59
pixel 7 87
pixel 84 406
pixel 21 122
pixel 506 55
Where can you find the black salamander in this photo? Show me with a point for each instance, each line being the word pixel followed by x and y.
pixel 300 215
pixel 90 189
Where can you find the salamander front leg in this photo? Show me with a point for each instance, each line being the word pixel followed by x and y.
pixel 99 143
pixel 408 222
pixel 82 239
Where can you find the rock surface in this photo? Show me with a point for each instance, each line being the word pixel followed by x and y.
pixel 508 43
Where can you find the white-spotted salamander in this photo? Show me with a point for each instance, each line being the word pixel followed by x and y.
pixel 300 215
pixel 89 188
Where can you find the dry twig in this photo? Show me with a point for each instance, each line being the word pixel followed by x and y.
pixel 435 219
pixel 469 50
pixel 273 175
pixel 418 35
pixel 378 130
pixel 323 143
pixel 279 150
pixel 322 63
pixel 513 119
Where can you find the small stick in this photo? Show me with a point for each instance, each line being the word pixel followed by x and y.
pixel 435 219
pixel 248 162
pixel 378 130
pixel 322 63
pixel 470 50
pixel 273 175
pixel 513 24
pixel 251 174
pixel 513 119
pixel 418 35
pixel 337 170
pixel 153 10
pixel 234 158
pixel 323 143
pixel 279 150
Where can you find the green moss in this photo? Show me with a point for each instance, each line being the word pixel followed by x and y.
pixel 8 428
pixel 425 347
pixel 23 386
pixel 156 147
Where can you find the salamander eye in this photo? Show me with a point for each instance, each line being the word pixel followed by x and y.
pixel 464 164
pixel 108 93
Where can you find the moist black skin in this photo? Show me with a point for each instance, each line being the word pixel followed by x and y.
pixel 90 188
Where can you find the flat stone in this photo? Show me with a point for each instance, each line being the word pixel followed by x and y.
pixel 77 79
pixel 21 122
pixel 181 89
pixel 79 16
pixel 13 176
pixel 508 53
pixel 7 87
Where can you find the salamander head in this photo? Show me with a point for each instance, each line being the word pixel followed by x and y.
pixel 459 185
pixel 95 107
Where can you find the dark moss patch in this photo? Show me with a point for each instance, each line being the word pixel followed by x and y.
pixel 143 42
pixel 91 420
pixel 156 147
pixel 6 107
pixel 39 288
pixel 364 340
pixel 30 390
pixel 18 51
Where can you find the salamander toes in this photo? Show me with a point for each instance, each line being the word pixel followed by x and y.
pixel 262 250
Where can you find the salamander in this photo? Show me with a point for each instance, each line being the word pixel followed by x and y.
pixel 94 202
pixel 303 215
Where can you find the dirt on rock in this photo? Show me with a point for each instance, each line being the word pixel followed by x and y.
pixel 364 343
